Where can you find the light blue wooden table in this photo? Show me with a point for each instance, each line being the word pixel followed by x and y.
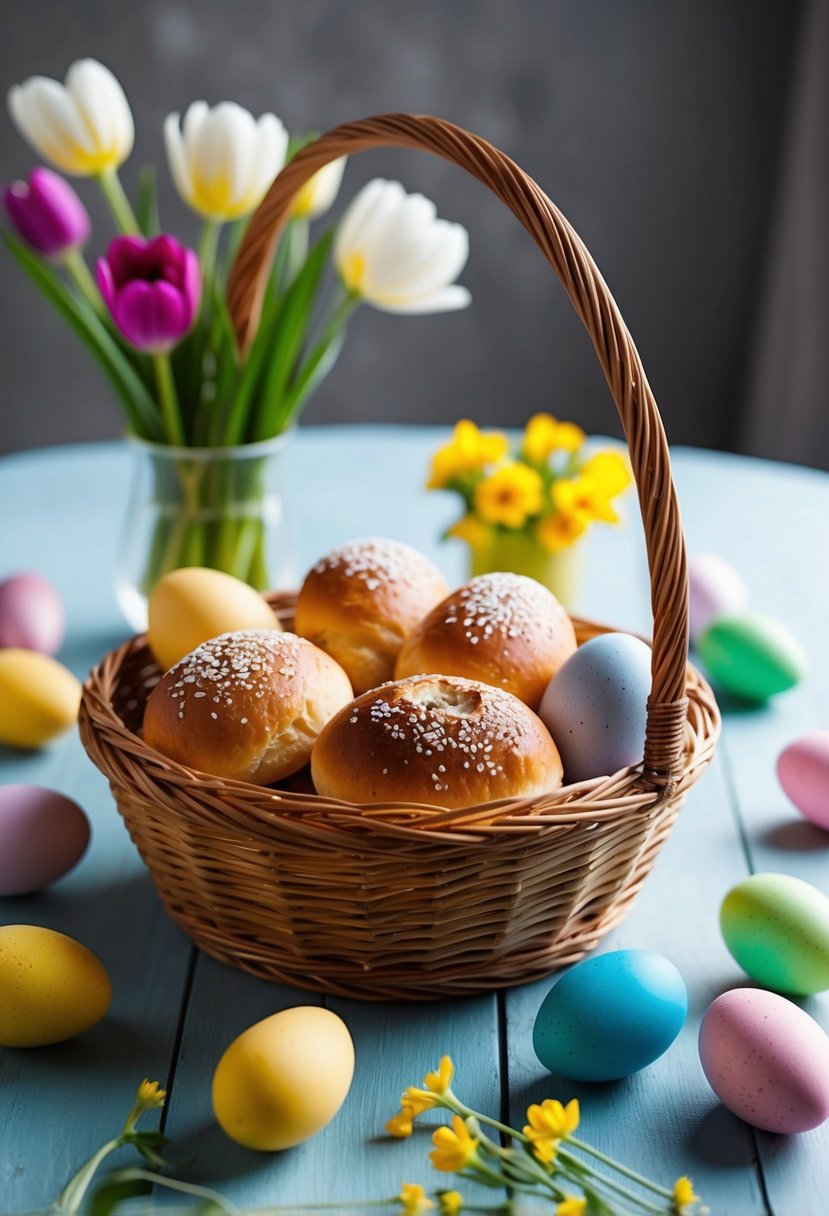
pixel 175 1010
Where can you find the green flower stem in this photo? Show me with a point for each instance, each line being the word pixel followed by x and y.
pixel 603 1182
pixel 136 1174
pixel 620 1169
pixel 168 399
pixel 110 184
pixel 81 276
pixel 69 1201
pixel 208 245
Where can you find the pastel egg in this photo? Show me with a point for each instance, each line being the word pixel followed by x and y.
pixel 31 614
pixel 42 836
pixel 189 606
pixel 595 706
pixel 766 1060
pixel 803 772
pixel 714 589
pixel 53 987
pixel 753 656
pixel 610 1016
pixel 39 698
pixel 777 929
pixel 283 1079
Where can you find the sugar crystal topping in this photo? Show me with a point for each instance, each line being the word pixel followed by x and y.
pixel 509 605
pixel 373 561
pixel 233 661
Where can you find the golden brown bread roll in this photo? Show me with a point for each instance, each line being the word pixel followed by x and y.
pixel 439 740
pixel 501 628
pixel 361 601
pixel 246 705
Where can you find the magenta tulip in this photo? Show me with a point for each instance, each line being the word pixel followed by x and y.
pixel 152 289
pixel 47 213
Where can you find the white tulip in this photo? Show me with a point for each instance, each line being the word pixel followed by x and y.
pixel 84 126
pixel 223 160
pixel 393 251
pixel 319 192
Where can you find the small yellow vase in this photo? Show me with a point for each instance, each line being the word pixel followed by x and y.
pixel 521 554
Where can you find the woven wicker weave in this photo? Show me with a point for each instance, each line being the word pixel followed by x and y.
pixel 403 901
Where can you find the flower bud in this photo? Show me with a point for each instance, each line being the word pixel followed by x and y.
pixel 47 213
pixel 152 288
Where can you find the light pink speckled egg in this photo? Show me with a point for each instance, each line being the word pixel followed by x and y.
pixel 766 1060
pixel 714 589
pixel 803 772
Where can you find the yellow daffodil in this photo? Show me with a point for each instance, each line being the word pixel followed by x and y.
pixel 510 495
pixel 471 530
pixel 545 1151
pixel 418 1100
pixel 560 530
pixel 552 1120
pixel 319 192
pixel 222 160
pixel 455 1147
pixel 684 1196
pixel 610 471
pixel 393 251
pixel 544 435
pixel 83 126
pixel 582 495
pixel 439 1082
pixel 468 451
pixel 400 1125
pixel 450 1202
pixel 572 1205
pixel 414 1199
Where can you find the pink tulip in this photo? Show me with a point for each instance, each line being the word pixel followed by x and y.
pixel 47 213
pixel 152 289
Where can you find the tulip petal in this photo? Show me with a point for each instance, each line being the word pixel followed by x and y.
pixel 103 107
pixel 177 158
pixel 267 158
pixel 317 195
pixel 220 157
pixel 151 316
pixel 106 282
pixel 442 259
pixel 46 117
pixel 194 120
pixel 447 299
pixel 375 199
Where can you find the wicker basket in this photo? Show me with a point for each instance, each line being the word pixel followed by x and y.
pixel 405 901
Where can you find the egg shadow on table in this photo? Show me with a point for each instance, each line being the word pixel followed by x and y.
pixel 207 1155
pixel 796 836
pixel 552 1085
pixel 713 1138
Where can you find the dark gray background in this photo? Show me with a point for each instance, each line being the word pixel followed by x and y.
pixel 658 126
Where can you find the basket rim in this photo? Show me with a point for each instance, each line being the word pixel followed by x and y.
pixel 111 744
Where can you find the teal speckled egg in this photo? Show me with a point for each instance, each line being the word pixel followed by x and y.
pixel 753 656
pixel 777 928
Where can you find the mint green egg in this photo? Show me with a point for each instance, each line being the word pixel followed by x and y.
pixel 777 928
pixel 753 656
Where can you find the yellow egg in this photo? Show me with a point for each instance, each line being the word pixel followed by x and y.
pixel 284 1078
pixel 191 605
pixel 52 987
pixel 39 698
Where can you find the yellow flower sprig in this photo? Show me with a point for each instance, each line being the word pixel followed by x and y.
pixel 547 488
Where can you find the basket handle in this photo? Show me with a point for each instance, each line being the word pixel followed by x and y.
pixel 564 250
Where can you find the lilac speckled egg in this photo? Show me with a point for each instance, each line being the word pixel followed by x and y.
pixel 766 1060
pixel 43 835
pixel 31 614
pixel 803 772
pixel 714 589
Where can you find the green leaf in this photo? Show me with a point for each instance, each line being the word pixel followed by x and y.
pixel 311 375
pixel 294 319
pixel 110 1194
pixel 146 209
pixel 139 406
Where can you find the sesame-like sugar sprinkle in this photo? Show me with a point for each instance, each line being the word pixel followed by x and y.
pixel 375 561
pixel 510 605
pixel 231 661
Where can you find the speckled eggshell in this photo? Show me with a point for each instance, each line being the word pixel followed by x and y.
pixel 610 1016
pixel 752 655
pixel 777 928
pixel 766 1060
pixel 595 707
pixel 803 772
pixel 43 835
pixel 714 589
pixel 31 614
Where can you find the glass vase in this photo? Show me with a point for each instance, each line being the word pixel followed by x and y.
pixel 218 507
pixel 522 554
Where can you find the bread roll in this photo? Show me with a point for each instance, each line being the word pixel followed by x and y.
pixel 438 740
pixel 504 629
pixel 361 601
pixel 246 705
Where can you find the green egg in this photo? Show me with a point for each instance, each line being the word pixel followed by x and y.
pixel 777 928
pixel 753 656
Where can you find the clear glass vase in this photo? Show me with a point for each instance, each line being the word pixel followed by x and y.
pixel 522 554
pixel 218 507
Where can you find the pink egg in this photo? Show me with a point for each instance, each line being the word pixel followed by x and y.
pixel 766 1060
pixel 714 589
pixel 31 614
pixel 43 834
pixel 803 772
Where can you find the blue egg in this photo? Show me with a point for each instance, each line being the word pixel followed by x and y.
pixel 609 1016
